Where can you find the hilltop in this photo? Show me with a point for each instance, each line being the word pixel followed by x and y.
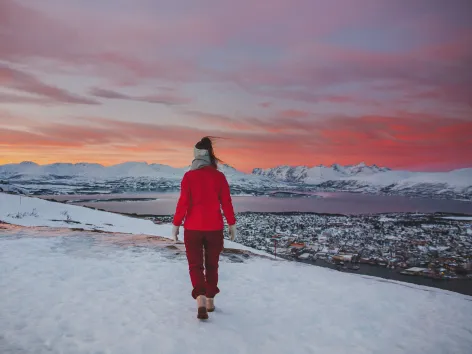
pixel 83 292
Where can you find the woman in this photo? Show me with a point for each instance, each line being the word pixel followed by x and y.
pixel 204 192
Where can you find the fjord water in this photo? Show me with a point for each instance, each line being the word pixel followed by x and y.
pixel 321 202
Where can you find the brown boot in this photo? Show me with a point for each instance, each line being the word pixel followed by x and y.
pixel 202 309
pixel 210 304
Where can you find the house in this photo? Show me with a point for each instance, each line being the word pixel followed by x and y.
pixel 343 257
pixel 321 255
pixel 414 271
pixel 305 256
pixel 298 245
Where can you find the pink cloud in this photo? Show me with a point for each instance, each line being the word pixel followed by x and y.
pixel 11 139
pixel 75 44
pixel 84 42
pixel 307 95
pixel 22 81
pixel 166 98
pixel 293 113
pixel 14 98
pixel 221 121
pixel 25 32
pixel 452 93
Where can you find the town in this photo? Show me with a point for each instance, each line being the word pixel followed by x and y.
pixel 428 245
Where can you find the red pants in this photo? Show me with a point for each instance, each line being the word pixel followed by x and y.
pixel 203 250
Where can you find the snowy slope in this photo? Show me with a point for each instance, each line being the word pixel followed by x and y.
pixel 249 181
pixel 317 174
pixel 76 294
pixel 453 184
pixel 374 179
pixel 27 211
pixel 461 178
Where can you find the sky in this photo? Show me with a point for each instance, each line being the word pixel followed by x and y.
pixel 279 82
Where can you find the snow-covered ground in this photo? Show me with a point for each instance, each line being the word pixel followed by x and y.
pixel 83 292
pixel 73 293
pixel 463 218
pixel 27 211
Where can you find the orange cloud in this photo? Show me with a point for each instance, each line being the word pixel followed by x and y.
pixel 404 141
pixel 222 45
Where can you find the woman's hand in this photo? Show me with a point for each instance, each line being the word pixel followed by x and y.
pixel 175 233
pixel 232 232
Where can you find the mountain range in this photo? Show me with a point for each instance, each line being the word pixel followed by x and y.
pixel 85 178
pixel 318 174
pixel 456 184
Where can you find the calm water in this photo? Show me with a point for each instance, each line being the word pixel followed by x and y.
pixel 323 202
pixel 462 286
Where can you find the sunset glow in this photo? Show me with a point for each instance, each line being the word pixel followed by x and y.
pixel 295 82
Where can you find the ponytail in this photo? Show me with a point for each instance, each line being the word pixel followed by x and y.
pixel 207 144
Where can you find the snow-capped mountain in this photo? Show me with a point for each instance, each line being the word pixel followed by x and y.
pixel 91 170
pixel 452 184
pixel 85 178
pixel 374 179
pixel 318 174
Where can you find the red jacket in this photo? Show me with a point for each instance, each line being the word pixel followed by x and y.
pixel 204 192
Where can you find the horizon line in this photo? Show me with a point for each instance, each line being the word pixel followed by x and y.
pixel 180 167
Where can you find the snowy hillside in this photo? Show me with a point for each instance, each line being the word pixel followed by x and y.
pixel 27 211
pixel 84 178
pixel 76 292
pixel 453 184
pixel 317 174
pixel 374 179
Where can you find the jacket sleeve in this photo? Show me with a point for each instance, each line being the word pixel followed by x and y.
pixel 226 202
pixel 182 204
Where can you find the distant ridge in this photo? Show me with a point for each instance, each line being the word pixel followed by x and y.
pixel 85 177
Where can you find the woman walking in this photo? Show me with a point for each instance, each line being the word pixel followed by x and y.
pixel 204 192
